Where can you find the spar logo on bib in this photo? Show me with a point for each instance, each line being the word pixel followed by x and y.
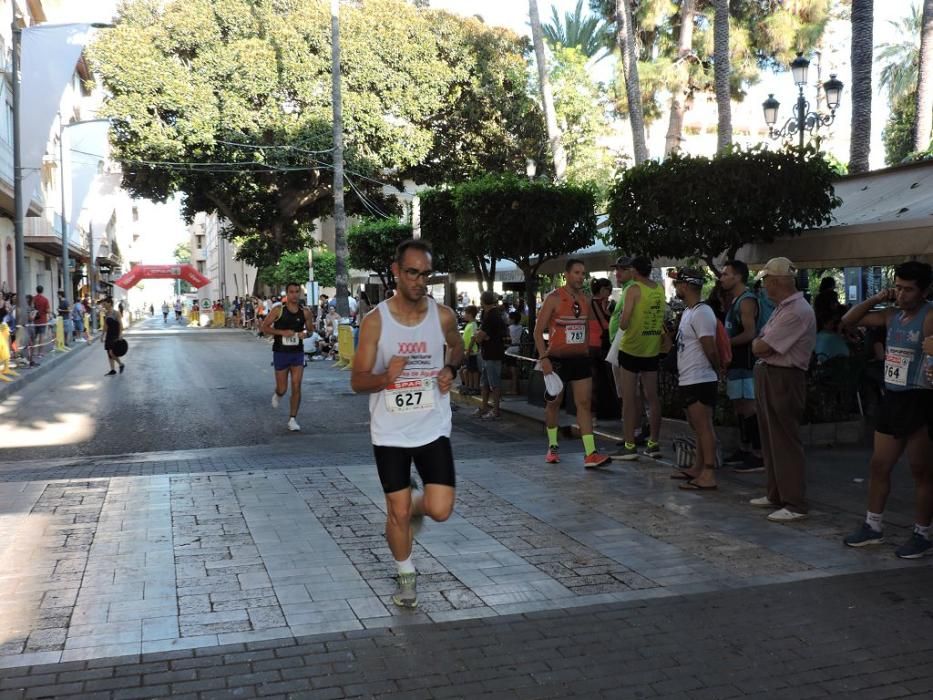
pixel 412 348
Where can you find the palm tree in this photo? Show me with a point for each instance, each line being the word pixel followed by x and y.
pixel 924 123
pixel 625 38
pixel 722 68
pixel 547 98
pixel 901 59
pixel 860 143
pixel 680 88
pixel 588 34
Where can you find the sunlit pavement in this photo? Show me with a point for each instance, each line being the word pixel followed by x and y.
pixel 232 552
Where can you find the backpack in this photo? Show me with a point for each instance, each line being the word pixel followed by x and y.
pixel 723 344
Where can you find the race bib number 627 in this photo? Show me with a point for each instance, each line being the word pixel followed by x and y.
pixel 411 395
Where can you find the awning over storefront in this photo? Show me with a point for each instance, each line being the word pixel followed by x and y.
pixel 886 217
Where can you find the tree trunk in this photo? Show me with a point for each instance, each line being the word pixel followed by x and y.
pixel 625 35
pixel 680 87
pixel 860 144
pixel 341 252
pixel 924 124
pixel 531 305
pixel 547 98
pixel 722 67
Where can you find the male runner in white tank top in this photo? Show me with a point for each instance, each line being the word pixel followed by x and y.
pixel 408 353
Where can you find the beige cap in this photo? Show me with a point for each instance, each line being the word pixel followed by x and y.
pixel 777 267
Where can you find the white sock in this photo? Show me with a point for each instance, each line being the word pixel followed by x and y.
pixel 405 567
pixel 922 530
pixel 874 520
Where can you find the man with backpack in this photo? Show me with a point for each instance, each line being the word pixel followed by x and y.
pixel 698 366
pixel 743 321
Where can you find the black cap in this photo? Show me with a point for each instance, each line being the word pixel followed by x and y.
pixel 622 261
pixel 690 275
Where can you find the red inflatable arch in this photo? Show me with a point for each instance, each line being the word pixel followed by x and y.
pixel 141 272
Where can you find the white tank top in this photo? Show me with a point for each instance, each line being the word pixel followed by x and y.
pixel 412 412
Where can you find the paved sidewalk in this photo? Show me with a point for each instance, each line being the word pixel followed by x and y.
pixel 860 636
pixel 164 552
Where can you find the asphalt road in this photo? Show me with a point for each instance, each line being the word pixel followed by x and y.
pixel 184 388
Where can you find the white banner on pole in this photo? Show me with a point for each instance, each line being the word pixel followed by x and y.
pixel 50 53
pixel 86 149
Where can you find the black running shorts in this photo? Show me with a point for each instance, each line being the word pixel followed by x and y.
pixel 705 393
pixel 903 413
pixel 434 462
pixel 636 364
pixel 572 369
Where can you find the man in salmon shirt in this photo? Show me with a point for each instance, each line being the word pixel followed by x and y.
pixel 565 316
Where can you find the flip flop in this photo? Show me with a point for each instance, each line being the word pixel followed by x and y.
pixel 681 476
pixel 692 485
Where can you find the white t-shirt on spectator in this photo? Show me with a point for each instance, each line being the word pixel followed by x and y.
pixel 311 342
pixel 692 364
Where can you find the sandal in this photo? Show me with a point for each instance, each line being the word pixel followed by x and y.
pixel 692 485
pixel 681 476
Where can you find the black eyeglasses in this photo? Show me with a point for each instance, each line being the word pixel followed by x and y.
pixel 576 309
pixel 414 273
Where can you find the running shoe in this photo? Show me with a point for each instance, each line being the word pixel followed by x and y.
pixel 916 547
pixel 628 453
pixel 480 412
pixel 864 535
pixel 652 449
pixel 275 400
pixel 293 425
pixel 406 596
pixel 110 373
pixel 553 456
pixel 763 502
pixel 751 465
pixel 491 415
pixel 594 460
pixel 122 367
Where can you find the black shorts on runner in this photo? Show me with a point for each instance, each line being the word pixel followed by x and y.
pixel 903 413
pixel 705 393
pixel 636 364
pixel 434 462
pixel 572 369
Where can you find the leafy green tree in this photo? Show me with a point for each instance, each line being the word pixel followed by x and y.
pixel 898 133
pixel 372 244
pixel 454 250
pixel 762 34
pixel 294 267
pixel 325 267
pixel 526 221
pixel 190 80
pixel 182 253
pixel 697 207
pixel 488 121
pixel 582 107
pixel 900 59
pixel 588 33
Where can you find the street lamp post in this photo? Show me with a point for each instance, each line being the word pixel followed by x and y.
pixel 803 120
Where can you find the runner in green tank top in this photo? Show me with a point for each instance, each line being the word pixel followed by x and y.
pixel 643 322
